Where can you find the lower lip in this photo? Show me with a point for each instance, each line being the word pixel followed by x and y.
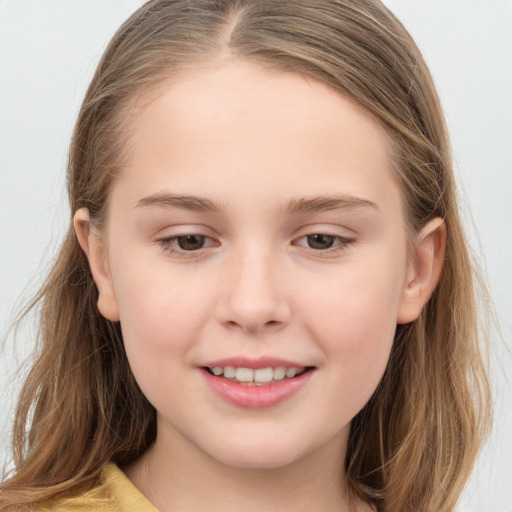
pixel 252 396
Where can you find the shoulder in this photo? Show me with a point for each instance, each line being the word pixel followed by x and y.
pixel 123 493
pixel 114 493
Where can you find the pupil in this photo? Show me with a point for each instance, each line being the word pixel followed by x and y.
pixel 320 241
pixel 191 242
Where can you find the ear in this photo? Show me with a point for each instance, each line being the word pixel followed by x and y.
pixel 424 270
pixel 95 249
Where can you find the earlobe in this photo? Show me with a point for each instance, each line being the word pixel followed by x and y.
pixel 95 250
pixel 425 266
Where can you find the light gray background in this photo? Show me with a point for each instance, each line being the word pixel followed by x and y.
pixel 48 52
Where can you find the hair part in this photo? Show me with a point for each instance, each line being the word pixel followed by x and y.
pixel 413 445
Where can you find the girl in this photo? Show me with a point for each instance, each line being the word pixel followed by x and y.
pixel 264 299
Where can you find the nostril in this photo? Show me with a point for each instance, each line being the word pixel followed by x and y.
pixel 252 315
pixel 253 326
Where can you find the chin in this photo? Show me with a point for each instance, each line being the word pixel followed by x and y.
pixel 257 461
pixel 259 456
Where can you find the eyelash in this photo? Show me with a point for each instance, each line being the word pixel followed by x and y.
pixel 338 243
pixel 171 245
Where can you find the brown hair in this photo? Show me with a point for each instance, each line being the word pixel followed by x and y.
pixel 413 445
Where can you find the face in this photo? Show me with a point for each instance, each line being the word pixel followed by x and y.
pixel 255 233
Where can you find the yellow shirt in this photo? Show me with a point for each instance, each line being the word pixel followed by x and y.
pixel 115 494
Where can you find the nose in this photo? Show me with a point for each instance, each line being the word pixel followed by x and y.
pixel 254 294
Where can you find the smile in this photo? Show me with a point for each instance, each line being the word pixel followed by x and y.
pixel 259 376
pixel 255 384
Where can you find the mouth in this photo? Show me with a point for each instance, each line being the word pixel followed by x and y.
pixel 257 377
pixel 258 383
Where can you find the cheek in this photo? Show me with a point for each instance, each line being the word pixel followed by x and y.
pixel 354 321
pixel 159 318
pixel 358 302
pixel 356 331
pixel 159 323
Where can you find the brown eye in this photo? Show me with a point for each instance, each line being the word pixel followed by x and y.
pixel 191 242
pixel 321 241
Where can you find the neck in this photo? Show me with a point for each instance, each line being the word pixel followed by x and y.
pixel 176 476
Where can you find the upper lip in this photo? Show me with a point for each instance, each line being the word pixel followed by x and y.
pixel 260 362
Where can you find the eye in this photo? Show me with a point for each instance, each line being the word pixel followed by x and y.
pixel 324 242
pixel 189 242
pixel 320 241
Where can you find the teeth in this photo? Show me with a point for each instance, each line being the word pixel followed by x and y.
pixel 229 372
pixel 279 373
pixel 244 374
pixel 259 376
pixel 291 372
pixel 263 375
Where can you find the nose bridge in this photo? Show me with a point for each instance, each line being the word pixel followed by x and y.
pixel 255 296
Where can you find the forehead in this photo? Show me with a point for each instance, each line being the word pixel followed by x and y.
pixel 240 126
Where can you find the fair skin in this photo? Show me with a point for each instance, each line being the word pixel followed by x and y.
pixel 298 252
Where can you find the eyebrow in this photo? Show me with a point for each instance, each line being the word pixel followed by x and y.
pixel 319 204
pixel 314 204
pixel 186 202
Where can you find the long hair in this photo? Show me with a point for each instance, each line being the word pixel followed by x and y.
pixel 413 445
